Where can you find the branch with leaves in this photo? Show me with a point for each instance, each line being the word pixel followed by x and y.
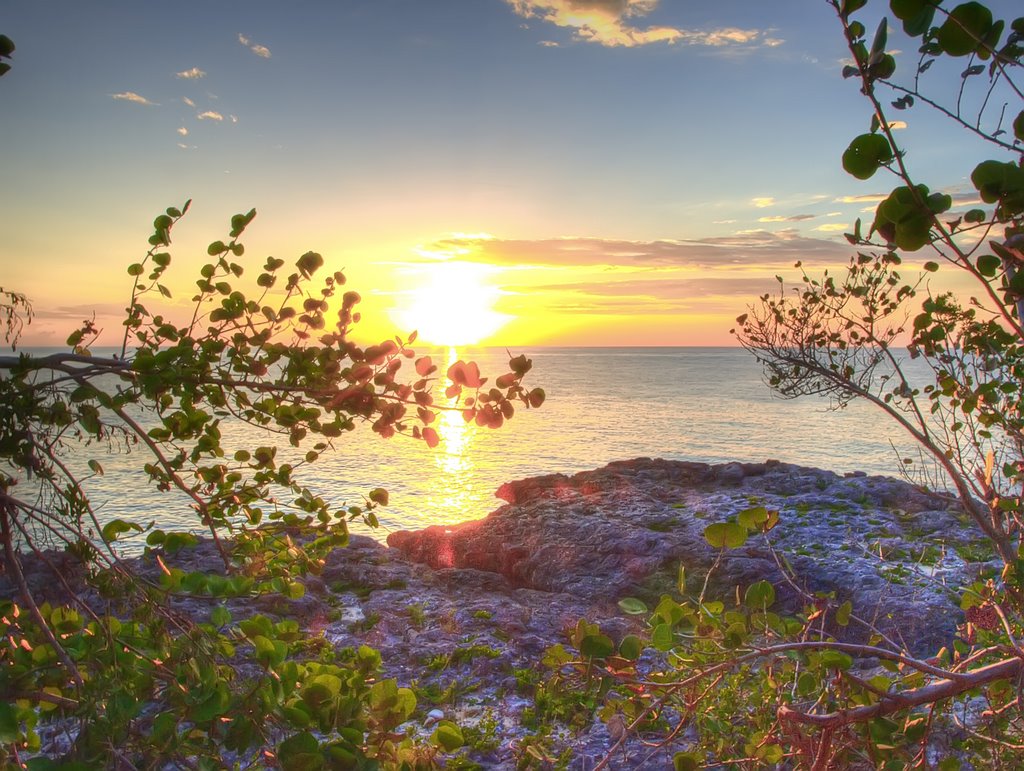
pixel 269 357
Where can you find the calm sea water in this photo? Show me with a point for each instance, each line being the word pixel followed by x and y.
pixel 604 404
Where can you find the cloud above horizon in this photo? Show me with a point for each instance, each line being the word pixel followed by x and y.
pixel 611 23
pixel 193 74
pixel 748 249
pixel 131 96
pixel 261 51
pixel 783 218
pixel 651 296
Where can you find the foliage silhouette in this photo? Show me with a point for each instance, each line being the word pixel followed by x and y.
pixel 146 683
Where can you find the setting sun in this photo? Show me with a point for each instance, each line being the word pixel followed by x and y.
pixel 452 305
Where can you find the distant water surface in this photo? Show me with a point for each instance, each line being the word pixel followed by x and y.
pixel 604 404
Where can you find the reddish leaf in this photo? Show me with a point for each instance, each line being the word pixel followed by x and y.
pixel 465 373
pixel 431 438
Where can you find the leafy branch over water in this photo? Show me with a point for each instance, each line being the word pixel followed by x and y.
pixel 146 683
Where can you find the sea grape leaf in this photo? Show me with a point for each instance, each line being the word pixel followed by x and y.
pixel 725 535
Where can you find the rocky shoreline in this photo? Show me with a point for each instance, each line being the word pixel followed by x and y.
pixel 463 614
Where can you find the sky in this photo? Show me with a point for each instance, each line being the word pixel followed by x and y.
pixel 510 172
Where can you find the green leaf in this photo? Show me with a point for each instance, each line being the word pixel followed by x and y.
pixel 686 761
pixel 916 15
pixel 220 616
pixel 760 594
pixel 989 265
pixel 881 36
pixel 116 527
pixel 866 154
pixel 632 606
pixel 725 535
pixel 931 267
pixel 965 29
pixel 10 728
pixel 631 647
pixel 806 684
pixel 447 736
pixel 753 519
pixel 300 753
pixel 1002 183
pixel 849 6
pixel 835 659
pixel 662 638
pixel 597 646
pixel 843 613
pixel 6 46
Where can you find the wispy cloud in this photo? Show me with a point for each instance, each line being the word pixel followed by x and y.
pixel 261 51
pixel 649 296
pixel 210 115
pixel 183 131
pixel 782 218
pixel 746 249
pixel 868 198
pixel 612 23
pixel 193 74
pixel 131 96
pixel 834 227
pixel 763 202
pixel 188 101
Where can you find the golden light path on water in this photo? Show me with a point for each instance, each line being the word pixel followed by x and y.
pixel 454 459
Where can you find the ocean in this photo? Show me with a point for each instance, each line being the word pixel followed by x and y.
pixel 603 404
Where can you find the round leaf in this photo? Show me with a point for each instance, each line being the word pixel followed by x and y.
pixel 988 265
pixel 447 736
pixel 866 154
pixel 965 29
pixel 632 606
pixel 759 595
pixel 725 535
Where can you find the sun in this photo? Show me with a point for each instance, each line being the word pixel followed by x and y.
pixel 453 306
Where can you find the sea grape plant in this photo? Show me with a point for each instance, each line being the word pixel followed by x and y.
pixel 868 333
pixel 110 651
pixel 747 685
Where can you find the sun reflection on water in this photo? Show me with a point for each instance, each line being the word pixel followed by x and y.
pixel 453 456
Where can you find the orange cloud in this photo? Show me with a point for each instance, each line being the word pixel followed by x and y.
pixel 609 23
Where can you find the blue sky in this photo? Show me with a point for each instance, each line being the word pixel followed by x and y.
pixel 641 170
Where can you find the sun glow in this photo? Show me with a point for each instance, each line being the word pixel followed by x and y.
pixel 454 305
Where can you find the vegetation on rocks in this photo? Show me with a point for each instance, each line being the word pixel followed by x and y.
pixel 143 683
pixel 735 674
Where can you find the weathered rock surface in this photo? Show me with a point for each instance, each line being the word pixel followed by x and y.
pixel 463 614
pixel 623 530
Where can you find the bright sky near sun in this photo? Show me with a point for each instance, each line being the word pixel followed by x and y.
pixel 561 172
